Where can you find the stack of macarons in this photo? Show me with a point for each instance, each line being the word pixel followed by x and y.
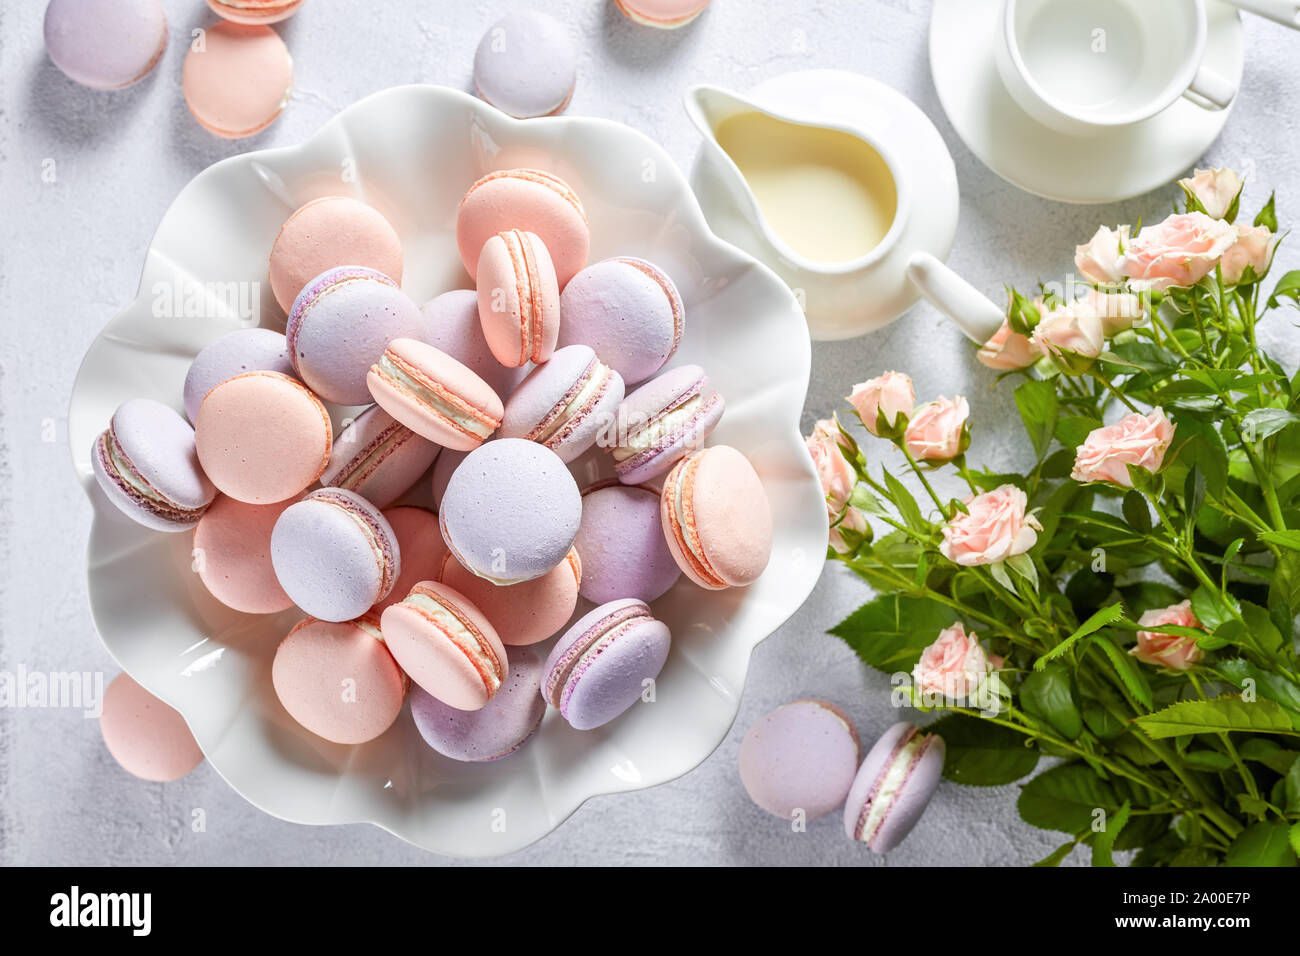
pixel 800 762
pixel 303 460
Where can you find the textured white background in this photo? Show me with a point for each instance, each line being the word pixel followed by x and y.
pixel 72 250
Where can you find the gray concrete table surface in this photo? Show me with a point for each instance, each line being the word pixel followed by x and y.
pixel 72 251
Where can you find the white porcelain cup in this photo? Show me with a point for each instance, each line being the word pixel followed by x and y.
pixel 1086 66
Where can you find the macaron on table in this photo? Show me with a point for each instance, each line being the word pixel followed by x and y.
pixel 645 689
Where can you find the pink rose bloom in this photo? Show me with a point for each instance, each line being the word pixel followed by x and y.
pixel 890 393
pixel 936 430
pixel 1254 247
pixel 1181 251
pixel 1008 350
pixel 1101 259
pixel 1214 188
pixel 1118 311
pixel 1072 334
pixel 995 528
pixel 837 479
pixel 1168 650
pixel 1139 440
pixel 954 666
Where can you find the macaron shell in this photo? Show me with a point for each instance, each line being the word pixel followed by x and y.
pixel 910 802
pixel 262 437
pixel 629 311
pixel 550 386
pixel 728 511
pixel 526 65
pixel 622 540
pixel 522 613
pixel 656 398
pixel 441 370
pixel 497 730
pixel 451 324
pixel 335 554
pixel 378 458
pixel 800 756
pixel 511 511
pixel 614 679
pixel 419 540
pixel 443 469
pixel 664 14
pixel 432 660
pixel 232 549
pixel 105 44
pixel 255 11
pixel 240 80
pixel 338 680
pixel 328 232
pixel 149 739
pixel 340 325
pixel 531 200
pixel 515 275
pixel 237 352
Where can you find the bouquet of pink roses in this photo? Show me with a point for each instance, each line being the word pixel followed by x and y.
pixel 1128 605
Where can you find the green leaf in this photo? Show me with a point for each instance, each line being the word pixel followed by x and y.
pixel 1262 844
pixel 1288 287
pixel 1199 443
pixel 1102 722
pixel 1268 752
pixel 1103 842
pixel 1127 671
pixel 1268 215
pixel 1146 595
pixel 1136 512
pixel 1245 675
pixel 1284 589
pixel 1263 632
pixel 1000 575
pixel 1095 623
pixel 1216 716
pixel 1212 760
pixel 1265 422
pixel 981 753
pixel 1057 856
pixel 1039 409
pixel 907 508
pixel 1048 694
pixel 890 632
pixel 1283 539
pixel 1209 608
pixel 1292 787
pixel 1073 430
pixel 1065 798
pixel 1294 836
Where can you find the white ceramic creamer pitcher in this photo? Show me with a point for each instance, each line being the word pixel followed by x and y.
pixel 968 308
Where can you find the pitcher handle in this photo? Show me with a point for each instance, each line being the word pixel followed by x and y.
pixel 968 308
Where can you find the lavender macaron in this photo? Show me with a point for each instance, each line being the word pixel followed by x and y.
pixel 237 352
pixel 801 757
pixel 621 540
pixel 664 420
pixel 510 511
pixel 496 730
pixel 628 310
pixel 334 554
pixel 566 403
pixel 526 65
pixel 451 324
pixel 601 666
pixel 147 465
pixel 339 326
pixel 893 787
pixel 378 457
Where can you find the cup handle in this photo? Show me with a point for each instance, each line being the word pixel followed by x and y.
pixel 1211 90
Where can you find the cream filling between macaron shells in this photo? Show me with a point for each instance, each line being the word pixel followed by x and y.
pixel 459 633
pixel 658 428
pixel 883 796
pixel 123 469
pixel 689 538
pixel 467 422
pixel 595 386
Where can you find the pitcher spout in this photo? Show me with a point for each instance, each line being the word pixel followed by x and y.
pixel 968 308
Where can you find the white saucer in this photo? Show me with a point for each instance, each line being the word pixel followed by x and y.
pixel 1104 168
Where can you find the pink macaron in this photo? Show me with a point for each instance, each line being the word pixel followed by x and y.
pixel 328 232
pixel 566 404
pixel 335 554
pixel 893 787
pixel 262 437
pixel 664 14
pixel 451 324
pixel 339 326
pixel 378 457
pixel 800 758
pixel 237 352
pixel 435 396
pixel 629 311
pixel 338 680
pixel 716 518
pixel 530 200
pixel 522 613
pixel 105 44
pixel 149 739
pixel 446 645
pixel 518 299
pixel 232 554
pixel 255 11
pixel 419 541
pixel 238 80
